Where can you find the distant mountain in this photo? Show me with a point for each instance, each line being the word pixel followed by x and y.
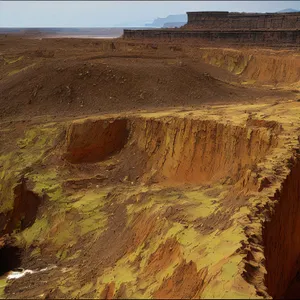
pixel 159 22
pixel 174 24
pixel 288 10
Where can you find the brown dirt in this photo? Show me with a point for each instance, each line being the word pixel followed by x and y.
pixel 160 199
pixel 70 77
pixel 186 283
pixel 165 255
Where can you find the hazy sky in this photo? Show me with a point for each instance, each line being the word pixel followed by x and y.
pixel 116 13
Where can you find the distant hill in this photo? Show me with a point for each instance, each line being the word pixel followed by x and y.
pixel 160 22
pixel 288 10
pixel 174 24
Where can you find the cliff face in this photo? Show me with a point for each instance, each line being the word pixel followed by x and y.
pixel 267 67
pixel 197 151
pixel 173 151
pixel 289 38
pixel 167 204
pixel 232 28
pixel 95 141
pixel 282 241
pixel 226 20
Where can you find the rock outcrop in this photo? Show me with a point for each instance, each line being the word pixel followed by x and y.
pixel 231 28
pixel 224 20
pixel 275 38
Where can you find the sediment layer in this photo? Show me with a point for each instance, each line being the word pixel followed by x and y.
pixel 232 20
pixel 175 199
pixel 274 38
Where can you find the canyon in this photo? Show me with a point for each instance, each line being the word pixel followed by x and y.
pixel 148 169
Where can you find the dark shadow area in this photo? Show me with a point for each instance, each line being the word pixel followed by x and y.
pixel 282 239
pixel 23 215
pixel 293 290
pixel 10 258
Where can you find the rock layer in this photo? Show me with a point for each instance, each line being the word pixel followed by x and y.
pixel 281 236
pixel 231 20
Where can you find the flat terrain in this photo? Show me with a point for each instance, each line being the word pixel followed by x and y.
pixel 148 170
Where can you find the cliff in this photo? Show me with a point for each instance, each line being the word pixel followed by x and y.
pixel 235 21
pixel 267 29
pixel 289 38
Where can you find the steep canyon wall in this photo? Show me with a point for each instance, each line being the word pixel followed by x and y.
pixel 225 20
pixel 249 37
pixel 270 29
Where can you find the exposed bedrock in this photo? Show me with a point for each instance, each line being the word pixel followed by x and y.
pixel 273 38
pixel 261 68
pixel 197 151
pixel 281 236
pixel 24 211
pixel 94 140
pixel 175 150
pixel 233 20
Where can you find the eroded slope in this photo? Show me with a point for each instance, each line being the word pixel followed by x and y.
pixel 167 205
pixel 76 77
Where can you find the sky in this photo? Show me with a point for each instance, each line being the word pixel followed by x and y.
pixel 117 13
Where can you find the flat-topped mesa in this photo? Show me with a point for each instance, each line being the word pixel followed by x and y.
pixel 231 28
pixel 282 38
pixel 224 20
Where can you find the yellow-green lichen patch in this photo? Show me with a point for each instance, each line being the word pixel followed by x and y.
pixel 65 235
pixel 93 223
pixel 231 268
pixel 229 283
pixel 88 201
pixel 75 255
pixel 65 290
pixel 47 181
pixel 133 209
pixel 3 283
pixel 121 273
pixel 13 72
pixel 252 81
pixel 62 254
pixel 8 175
pixel 29 152
pixel 199 204
pixel 35 252
pixel 34 233
pixel 13 59
pixel 82 291
pixel 133 265
pixel 38 140
pixel 193 204
pixel 65 285
pixel 90 208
